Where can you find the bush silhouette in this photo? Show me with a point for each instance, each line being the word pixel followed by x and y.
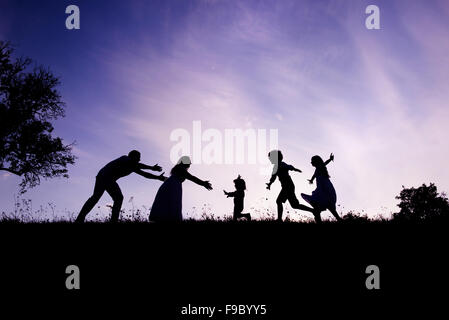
pixel 422 203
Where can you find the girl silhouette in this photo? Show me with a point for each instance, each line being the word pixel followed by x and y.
pixel 239 197
pixel 167 205
pixel 324 196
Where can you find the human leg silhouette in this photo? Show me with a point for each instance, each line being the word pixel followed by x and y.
pixel 294 202
pixel 239 214
pixel 116 194
pixel 333 210
pixel 296 205
pixel 247 216
pixel 317 215
pixel 99 189
pixel 280 205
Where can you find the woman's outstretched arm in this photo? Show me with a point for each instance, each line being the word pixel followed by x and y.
pixel 205 184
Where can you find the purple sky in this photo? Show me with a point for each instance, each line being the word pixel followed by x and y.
pixel 137 70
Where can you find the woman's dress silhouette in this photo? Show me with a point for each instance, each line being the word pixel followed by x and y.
pixel 324 196
pixel 167 206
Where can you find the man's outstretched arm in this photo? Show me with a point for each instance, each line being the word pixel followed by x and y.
pixel 151 176
pixel 156 167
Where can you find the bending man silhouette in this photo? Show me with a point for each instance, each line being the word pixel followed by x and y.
pixel 106 181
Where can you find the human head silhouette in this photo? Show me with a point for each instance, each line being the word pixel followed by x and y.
pixel 275 156
pixel 184 161
pixel 317 161
pixel 183 164
pixel 134 155
pixel 240 183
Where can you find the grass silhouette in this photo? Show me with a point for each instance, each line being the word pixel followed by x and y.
pixel 417 206
pixel 23 214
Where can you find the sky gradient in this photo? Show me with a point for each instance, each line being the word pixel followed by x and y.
pixel 137 70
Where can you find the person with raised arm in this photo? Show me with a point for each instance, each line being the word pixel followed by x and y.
pixel 324 196
pixel 239 197
pixel 106 180
pixel 167 205
pixel 281 171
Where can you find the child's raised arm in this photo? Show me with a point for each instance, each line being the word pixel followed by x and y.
pixel 331 158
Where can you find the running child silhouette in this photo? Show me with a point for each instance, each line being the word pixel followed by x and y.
pixel 280 171
pixel 106 181
pixel 239 196
pixel 324 196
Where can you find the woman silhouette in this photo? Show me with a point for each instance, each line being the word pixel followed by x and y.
pixel 324 196
pixel 167 205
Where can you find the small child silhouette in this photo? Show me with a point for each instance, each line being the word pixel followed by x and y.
pixel 239 196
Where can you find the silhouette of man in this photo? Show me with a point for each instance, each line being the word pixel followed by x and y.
pixel 106 181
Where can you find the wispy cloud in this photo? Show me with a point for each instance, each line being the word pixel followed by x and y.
pixel 348 95
pixel 377 99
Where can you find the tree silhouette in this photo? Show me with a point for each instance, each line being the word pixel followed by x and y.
pixel 28 102
pixel 423 203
